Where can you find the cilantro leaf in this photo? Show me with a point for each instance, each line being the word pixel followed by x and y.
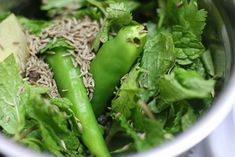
pixel 117 15
pixel 184 13
pixel 59 42
pixel 56 125
pixel 102 35
pixel 138 142
pixel 131 5
pixel 55 7
pixel 152 130
pixel 192 18
pixel 144 132
pixel 184 84
pixel 34 26
pixel 126 96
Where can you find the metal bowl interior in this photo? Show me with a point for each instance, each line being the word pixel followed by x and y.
pixel 219 37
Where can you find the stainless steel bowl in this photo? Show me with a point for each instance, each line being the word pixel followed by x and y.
pixel 220 37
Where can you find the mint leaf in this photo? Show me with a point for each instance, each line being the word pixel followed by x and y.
pixel 56 123
pixel 199 67
pixel 40 123
pixel 184 84
pixel 119 14
pixel 158 57
pixel 12 111
pixel 188 47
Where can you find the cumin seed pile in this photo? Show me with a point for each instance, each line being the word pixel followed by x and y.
pixel 77 33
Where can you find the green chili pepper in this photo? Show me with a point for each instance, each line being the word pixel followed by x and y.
pixel 113 61
pixel 71 86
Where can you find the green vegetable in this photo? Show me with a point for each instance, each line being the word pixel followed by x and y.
pixel 31 119
pixel 34 26
pixel 182 84
pixel 55 7
pixel 12 111
pixel 184 13
pixel 117 15
pixel 70 85
pixel 113 61
pixel 125 99
pixel 186 55
pixel 154 85
pixel 172 85
pixel 180 117
pixel 55 123
pixel 158 58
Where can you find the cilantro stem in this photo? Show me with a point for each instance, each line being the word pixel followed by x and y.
pixel 161 20
pixel 25 133
pixel 98 5
pixel 123 149
pixel 162 4
pixel 146 109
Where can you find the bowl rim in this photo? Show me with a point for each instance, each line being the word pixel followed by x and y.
pixel 181 143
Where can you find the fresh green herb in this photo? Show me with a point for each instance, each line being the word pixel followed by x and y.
pixel 56 7
pixel 158 58
pixel 153 79
pixel 12 110
pixel 116 15
pixel 182 84
pixel 124 101
pixel 34 26
pixel 27 116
